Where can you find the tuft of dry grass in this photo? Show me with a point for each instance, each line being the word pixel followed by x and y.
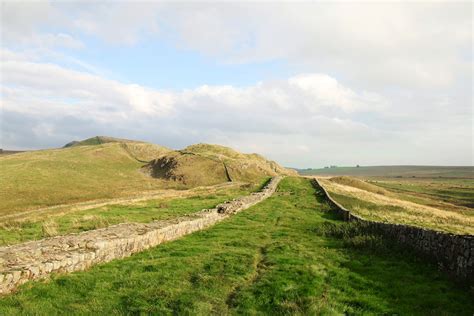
pixel 50 228
pixel 94 221
pixel 12 225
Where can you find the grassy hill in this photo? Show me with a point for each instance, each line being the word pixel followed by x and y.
pixel 98 140
pixel 106 168
pixel 204 164
pixel 50 177
pixel 394 171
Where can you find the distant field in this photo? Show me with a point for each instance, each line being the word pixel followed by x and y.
pixel 279 257
pixel 432 191
pixel 394 171
pixel 9 152
pixel 438 204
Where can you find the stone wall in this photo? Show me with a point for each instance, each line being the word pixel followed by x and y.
pixel 74 252
pixel 453 253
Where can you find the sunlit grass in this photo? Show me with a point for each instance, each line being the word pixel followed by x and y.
pixel 393 208
pixel 278 257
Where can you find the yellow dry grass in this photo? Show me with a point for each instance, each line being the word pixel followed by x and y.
pixel 461 221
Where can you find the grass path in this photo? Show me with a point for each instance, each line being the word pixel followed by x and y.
pixel 269 259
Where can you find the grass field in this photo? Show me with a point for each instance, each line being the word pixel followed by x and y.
pixel 432 191
pixel 60 223
pixel 433 203
pixel 394 172
pixel 282 256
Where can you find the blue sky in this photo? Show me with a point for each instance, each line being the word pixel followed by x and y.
pixel 160 64
pixel 307 84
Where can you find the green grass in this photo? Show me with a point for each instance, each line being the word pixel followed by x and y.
pixel 12 232
pixel 274 258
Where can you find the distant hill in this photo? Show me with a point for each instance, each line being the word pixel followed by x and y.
pixel 97 140
pixel 105 167
pixel 4 152
pixel 394 171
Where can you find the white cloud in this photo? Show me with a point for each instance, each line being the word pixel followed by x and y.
pixel 404 44
pixel 407 44
pixel 403 71
pixel 306 93
pixel 306 120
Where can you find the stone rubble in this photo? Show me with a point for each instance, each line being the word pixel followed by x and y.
pixel 75 252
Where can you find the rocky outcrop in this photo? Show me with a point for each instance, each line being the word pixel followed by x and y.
pixel 37 259
pixel 453 253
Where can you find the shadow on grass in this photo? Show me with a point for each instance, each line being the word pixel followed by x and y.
pixel 405 282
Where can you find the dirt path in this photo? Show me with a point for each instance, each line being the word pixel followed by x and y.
pixel 74 252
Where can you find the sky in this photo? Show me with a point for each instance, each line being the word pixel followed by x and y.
pixel 307 84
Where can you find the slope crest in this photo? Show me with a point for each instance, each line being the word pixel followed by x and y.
pixel 205 164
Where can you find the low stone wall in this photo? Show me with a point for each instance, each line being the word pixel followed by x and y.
pixel 453 253
pixel 74 252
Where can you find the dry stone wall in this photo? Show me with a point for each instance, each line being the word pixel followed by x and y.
pixel 453 253
pixel 37 259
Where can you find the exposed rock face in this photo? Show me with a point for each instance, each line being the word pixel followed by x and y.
pixel 75 252
pixel 453 253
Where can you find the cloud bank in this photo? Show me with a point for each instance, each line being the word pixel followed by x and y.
pixel 370 84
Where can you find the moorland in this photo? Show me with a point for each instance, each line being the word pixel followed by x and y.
pixel 285 255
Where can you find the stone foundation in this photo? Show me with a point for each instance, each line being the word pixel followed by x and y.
pixel 453 253
pixel 75 252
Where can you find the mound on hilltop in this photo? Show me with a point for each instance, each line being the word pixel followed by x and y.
pixel 98 140
pixel 204 164
pixel 138 150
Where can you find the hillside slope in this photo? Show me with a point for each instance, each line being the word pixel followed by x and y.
pixel 107 168
pixel 205 164
pixel 57 176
